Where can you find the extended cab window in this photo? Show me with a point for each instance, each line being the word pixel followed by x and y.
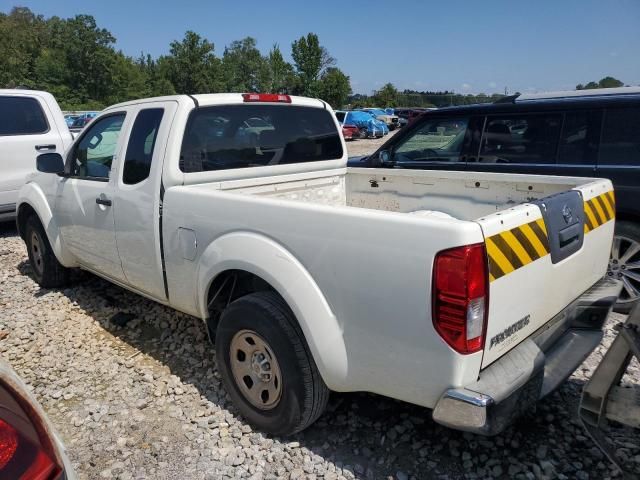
pixel 240 136
pixel 620 144
pixel 137 162
pixel 21 116
pixel 436 140
pixel 521 138
pixel 93 156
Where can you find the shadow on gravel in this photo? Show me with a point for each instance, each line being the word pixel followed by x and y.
pixel 372 436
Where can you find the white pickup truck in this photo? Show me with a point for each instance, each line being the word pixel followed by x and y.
pixel 471 294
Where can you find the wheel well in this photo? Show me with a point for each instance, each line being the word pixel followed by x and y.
pixel 227 287
pixel 24 212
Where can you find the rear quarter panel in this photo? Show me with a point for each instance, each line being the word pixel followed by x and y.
pixel 372 268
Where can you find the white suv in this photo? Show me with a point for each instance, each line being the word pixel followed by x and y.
pixel 31 123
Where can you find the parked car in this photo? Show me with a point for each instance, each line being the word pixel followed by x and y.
pixel 390 120
pixel 82 121
pixel 369 127
pixel 410 114
pixel 31 122
pixel 350 132
pixel 29 445
pixel 473 295
pixel 586 133
pixel 70 118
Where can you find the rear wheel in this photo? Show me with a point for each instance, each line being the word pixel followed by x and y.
pixel 48 272
pixel 266 365
pixel 624 264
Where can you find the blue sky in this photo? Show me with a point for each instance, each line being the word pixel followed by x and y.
pixel 464 46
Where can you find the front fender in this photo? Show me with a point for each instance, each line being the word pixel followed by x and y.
pixel 31 194
pixel 270 261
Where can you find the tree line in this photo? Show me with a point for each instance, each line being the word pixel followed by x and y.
pixel 389 96
pixel 77 62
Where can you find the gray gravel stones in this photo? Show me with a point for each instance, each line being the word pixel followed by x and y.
pixel 145 401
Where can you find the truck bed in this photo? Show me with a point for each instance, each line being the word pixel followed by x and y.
pixel 353 230
pixel 460 195
pixel 505 208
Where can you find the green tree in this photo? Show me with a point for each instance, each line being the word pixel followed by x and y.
pixel 310 60
pixel 191 66
pixel 387 96
pixel 21 37
pixel 244 69
pixel 334 87
pixel 606 82
pixel 281 73
pixel 610 82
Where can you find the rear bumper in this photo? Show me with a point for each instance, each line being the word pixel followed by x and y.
pixel 511 385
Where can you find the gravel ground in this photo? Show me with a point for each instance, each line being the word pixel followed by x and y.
pixel 144 400
pixel 365 146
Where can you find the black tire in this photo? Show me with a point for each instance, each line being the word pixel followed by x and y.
pixel 627 232
pixel 47 271
pixel 304 395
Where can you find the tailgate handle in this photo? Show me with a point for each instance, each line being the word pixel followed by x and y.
pixel 569 235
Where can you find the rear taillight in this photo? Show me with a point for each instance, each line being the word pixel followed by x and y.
pixel 461 297
pixel 350 127
pixel 266 97
pixel 26 451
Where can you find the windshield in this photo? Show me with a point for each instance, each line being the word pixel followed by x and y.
pixel 241 136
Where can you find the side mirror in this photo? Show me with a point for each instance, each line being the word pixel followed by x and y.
pixel 50 163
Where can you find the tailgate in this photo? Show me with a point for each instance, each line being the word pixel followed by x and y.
pixel 542 256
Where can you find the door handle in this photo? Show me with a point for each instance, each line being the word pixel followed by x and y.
pixel 103 201
pixel 45 147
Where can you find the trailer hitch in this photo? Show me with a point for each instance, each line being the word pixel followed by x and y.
pixel 603 398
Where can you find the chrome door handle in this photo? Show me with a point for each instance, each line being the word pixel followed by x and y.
pixel 103 201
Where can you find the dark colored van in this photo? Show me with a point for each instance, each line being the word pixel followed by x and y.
pixel 587 133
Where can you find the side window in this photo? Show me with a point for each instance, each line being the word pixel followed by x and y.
pixel 436 140
pixel 579 137
pixel 620 144
pixel 137 161
pixel 21 116
pixel 520 139
pixel 93 156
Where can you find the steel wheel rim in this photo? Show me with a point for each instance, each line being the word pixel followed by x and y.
pixel 255 369
pixel 36 253
pixel 624 265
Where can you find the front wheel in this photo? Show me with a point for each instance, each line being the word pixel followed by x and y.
pixel 624 264
pixel 48 272
pixel 266 365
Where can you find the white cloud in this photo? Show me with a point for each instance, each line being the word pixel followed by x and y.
pixel 466 87
pixel 493 84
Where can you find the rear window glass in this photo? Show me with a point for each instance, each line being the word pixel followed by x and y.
pixel 21 116
pixel 241 136
pixel 620 144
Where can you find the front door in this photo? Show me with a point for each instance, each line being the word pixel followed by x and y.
pixel 85 199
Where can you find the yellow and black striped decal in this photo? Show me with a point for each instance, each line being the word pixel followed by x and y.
pixel 599 210
pixel 515 248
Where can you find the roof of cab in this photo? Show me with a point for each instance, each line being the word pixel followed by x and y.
pixel 210 99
